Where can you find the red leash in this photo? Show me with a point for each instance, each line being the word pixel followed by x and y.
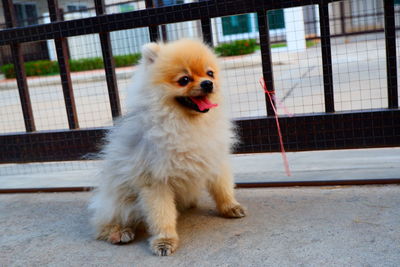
pixel 271 96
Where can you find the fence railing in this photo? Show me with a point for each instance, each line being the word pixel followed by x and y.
pixel 328 130
pixel 345 20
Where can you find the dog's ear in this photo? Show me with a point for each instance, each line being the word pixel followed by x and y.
pixel 150 52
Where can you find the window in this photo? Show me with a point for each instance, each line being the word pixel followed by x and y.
pixel 168 2
pixel 26 14
pixel 76 7
pixel 276 19
pixel 236 24
pixel 247 23
pixel 126 7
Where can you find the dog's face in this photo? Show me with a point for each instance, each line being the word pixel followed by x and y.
pixel 187 71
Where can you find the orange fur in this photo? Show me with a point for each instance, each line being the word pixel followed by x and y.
pixel 186 57
pixel 164 152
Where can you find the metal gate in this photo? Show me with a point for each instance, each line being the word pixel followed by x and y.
pixel 316 131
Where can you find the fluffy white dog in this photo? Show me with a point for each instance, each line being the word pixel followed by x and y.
pixel 174 141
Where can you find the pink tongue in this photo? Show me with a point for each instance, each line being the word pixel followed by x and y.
pixel 203 103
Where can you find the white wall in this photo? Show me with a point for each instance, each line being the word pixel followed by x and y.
pixel 85 46
pixel 294 25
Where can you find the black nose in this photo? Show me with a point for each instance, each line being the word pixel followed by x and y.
pixel 206 86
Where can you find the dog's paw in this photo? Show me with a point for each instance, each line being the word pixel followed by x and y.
pixel 233 211
pixel 117 235
pixel 163 246
pixel 123 236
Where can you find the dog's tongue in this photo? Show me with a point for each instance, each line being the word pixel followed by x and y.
pixel 203 103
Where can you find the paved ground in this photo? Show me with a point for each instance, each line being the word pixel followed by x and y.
pixel 331 226
pixel 359 73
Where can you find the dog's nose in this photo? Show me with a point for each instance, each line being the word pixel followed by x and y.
pixel 206 86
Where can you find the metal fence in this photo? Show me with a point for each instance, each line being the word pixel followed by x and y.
pixel 316 131
pixel 347 19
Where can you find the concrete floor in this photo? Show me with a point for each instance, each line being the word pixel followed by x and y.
pixel 327 226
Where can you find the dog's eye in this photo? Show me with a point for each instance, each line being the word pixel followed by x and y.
pixel 184 81
pixel 210 73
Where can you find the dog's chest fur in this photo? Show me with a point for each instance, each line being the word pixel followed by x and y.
pixel 190 148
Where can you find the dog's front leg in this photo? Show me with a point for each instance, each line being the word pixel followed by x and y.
pixel 221 189
pixel 159 210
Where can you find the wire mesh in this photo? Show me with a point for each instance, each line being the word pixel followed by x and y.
pixel 359 65
pixel 358 71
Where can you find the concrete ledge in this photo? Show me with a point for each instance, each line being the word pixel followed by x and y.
pixel 378 163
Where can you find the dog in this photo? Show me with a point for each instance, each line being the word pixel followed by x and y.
pixel 174 141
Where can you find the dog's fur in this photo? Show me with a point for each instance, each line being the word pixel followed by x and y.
pixel 161 154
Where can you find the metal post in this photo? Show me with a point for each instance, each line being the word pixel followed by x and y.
pixel 266 57
pixel 153 30
pixel 109 65
pixel 391 64
pixel 206 29
pixel 65 73
pixel 326 56
pixel 19 68
pixel 342 18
